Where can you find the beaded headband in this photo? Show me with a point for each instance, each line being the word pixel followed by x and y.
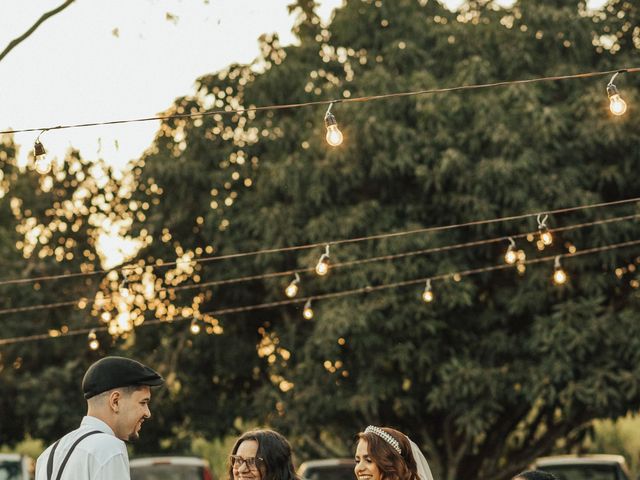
pixel 385 436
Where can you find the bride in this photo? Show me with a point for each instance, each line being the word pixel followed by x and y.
pixel 383 453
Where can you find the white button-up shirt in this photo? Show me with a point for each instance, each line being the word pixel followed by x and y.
pixel 101 456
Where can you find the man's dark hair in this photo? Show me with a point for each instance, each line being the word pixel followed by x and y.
pixel 536 475
pixel 275 454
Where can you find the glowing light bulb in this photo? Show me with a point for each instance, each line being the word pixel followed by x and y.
pixel 334 135
pixel 42 165
pixel 94 344
pixel 616 104
pixel 559 275
pixel 195 327
pixel 307 312
pixel 427 295
pixel 511 256
pixel 292 289
pixel 545 235
pixel 322 267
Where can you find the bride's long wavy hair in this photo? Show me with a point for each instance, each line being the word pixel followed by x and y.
pixel 392 465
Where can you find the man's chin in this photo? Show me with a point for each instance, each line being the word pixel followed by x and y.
pixel 133 437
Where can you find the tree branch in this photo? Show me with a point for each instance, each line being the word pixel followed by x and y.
pixel 15 42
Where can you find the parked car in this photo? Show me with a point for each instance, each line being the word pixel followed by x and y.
pixel 585 467
pixel 170 468
pixel 14 466
pixel 328 469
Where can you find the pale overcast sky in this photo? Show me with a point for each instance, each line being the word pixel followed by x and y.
pixel 119 59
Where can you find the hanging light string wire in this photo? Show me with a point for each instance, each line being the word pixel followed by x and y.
pixel 329 102
pixel 324 296
pixel 86 301
pixel 128 268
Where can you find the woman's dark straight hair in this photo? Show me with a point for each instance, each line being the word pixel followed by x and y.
pixel 274 453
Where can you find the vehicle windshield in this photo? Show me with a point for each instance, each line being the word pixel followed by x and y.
pixel 338 472
pixel 583 472
pixel 10 470
pixel 167 472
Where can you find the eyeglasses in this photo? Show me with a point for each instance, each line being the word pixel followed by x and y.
pixel 251 462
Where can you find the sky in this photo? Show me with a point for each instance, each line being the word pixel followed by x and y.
pixel 121 59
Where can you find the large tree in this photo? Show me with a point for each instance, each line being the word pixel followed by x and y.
pixel 502 367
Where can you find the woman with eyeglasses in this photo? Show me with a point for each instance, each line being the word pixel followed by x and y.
pixel 261 455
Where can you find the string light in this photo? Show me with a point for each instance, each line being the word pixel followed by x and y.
pixel 340 294
pixel 511 256
pixel 427 295
pixel 559 275
pixel 215 258
pixel 616 104
pixel 292 289
pixel 545 235
pixel 322 267
pixel 195 327
pixel 94 344
pixel 42 163
pixel 334 135
pixel 369 98
pixel 307 311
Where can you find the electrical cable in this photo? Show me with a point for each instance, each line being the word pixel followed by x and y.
pixel 324 296
pixel 86 301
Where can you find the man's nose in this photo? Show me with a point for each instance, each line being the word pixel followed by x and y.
pixel 147 412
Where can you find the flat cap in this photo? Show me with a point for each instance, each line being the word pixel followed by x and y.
pixel 114 372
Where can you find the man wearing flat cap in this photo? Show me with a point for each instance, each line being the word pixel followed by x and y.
pixel 118 391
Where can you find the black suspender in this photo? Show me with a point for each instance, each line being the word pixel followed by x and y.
pixel 66 459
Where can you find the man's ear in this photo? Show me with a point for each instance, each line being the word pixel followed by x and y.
pixel 115 396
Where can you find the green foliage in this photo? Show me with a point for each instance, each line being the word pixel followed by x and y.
pixel 501 367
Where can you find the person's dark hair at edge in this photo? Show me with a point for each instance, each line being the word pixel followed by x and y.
pixel 275 452
pixel 535 475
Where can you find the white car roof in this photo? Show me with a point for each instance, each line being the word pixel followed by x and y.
pixel 582 459
pixel 10 456
pixel 149 461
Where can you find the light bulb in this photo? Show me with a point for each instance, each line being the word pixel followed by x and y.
pixel 510 257
pixel 559 276
pixel 616 104
pixel 545 236
pixel 43 165
pixel 307 312
pixel 94 344
pixel 322 268
pixel 292 290
pixel 427 295
pixel 334 136
pixel 195 328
